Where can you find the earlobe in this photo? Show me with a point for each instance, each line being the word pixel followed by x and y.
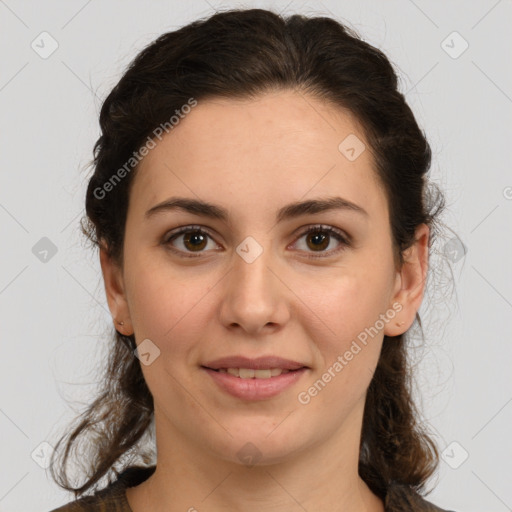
pixel 115 292
pixel 411 281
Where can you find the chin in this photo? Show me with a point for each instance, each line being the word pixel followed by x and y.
pixel 256 447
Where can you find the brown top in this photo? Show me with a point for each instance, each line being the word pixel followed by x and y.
pixel 400 498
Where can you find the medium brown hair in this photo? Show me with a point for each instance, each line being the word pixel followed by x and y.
pixel 243 53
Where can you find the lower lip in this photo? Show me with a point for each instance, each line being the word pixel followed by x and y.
pixel 255 389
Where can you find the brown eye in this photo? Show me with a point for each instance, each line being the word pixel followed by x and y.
pixel 189 240
pixel 316 240
pixel 319 238
pixel 194 240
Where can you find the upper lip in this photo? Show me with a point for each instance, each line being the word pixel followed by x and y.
pixel 258 363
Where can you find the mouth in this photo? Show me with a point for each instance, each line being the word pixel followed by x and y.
pixel 250 373
pixel 245 365
pixel 254 388
pixel 254 379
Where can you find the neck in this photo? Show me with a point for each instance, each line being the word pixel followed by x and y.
pixel 192 478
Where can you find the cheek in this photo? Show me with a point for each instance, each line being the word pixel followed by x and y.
pixel 344 306
pixel 342 325
pixel 165 307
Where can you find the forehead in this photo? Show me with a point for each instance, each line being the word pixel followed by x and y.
pixel 282 144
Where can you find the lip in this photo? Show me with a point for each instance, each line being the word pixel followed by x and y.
pixel 259 363
pixel 254 389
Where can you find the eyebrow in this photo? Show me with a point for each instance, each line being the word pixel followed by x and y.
pixel 287 212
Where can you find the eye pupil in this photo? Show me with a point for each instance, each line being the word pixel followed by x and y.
pixel 195 238
pixel 318 240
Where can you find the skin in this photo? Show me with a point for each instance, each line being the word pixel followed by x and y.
pixel 252 157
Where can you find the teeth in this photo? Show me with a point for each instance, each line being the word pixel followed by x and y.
pixel 248 373
pixel 245 373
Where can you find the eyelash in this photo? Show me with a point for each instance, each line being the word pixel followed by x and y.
pixel 338 235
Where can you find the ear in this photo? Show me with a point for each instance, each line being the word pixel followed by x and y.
pixel 115 291
pixel 410 283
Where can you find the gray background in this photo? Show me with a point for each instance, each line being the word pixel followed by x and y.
pixel 53 313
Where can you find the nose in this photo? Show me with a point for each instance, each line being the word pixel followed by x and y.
pixel 254 298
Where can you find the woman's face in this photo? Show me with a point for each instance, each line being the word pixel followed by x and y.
pixel 254 283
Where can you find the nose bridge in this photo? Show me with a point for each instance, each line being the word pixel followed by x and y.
pixel 252 298
pixel 251 274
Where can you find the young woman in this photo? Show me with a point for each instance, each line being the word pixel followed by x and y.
pixel 263 216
